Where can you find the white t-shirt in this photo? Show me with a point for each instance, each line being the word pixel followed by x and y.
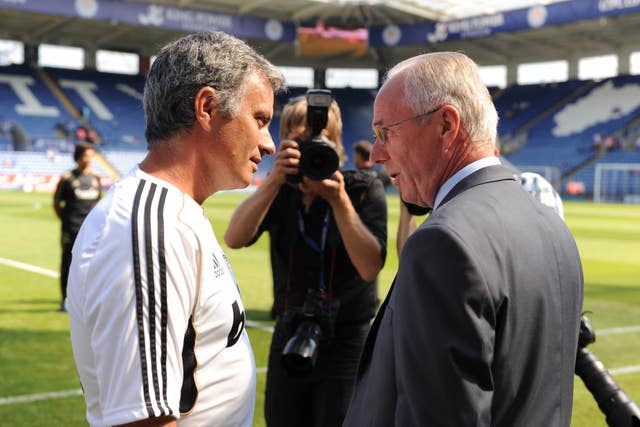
pixel 151 296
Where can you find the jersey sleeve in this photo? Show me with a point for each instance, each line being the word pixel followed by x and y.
pixel 139 316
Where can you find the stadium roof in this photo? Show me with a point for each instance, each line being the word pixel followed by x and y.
pixel 579 37
pixel 357 13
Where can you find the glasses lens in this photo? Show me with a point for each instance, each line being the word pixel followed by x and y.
pixel 378 133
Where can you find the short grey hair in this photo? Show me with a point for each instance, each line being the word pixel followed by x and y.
pixel 190 63
pixel 439 78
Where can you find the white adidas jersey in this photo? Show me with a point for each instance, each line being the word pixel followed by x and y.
pixel 157 324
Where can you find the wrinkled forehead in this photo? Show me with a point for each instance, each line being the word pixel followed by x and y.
pixel 391 95
pixel 393 87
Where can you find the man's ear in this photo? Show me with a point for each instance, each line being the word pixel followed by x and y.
pixel 205 106
pixel 450 123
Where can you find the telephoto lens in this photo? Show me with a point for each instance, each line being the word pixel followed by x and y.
pixel 318 158
pixel 619 409
pixel 301 351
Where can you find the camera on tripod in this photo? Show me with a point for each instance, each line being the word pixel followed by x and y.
pixel 318 156
pixel 619 409
pixel 306 326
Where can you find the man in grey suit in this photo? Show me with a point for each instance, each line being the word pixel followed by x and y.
pixel 480 327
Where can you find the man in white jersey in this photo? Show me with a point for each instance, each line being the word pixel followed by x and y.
pixel 157 323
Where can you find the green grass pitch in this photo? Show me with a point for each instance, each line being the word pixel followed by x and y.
pixel 38 381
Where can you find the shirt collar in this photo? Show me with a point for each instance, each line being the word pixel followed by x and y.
pixel 461 174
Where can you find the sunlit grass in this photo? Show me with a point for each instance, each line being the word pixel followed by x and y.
pixel 35 355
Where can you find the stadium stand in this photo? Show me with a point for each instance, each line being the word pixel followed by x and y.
pixel 564 129
pixel 123 161
pixel 28 102
pixel 579 132
pixel 519 106
pixel 37 171
pixel 564 126
pixel 111 103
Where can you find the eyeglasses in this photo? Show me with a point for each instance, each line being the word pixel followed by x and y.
pixel 379 132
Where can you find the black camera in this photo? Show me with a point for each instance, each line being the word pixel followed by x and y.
pixel 306 326
pixel 318 156
pixel 619 409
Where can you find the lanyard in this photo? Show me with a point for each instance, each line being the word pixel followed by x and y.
pixel 318 248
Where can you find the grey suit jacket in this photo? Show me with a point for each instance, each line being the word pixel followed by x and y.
pixel 480 327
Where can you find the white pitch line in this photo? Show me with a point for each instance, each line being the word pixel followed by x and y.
pixel 625 370
pixel 259 325
pixel 618 330
pixel 599 332
pixel 28 398
pixel 29 267
pixel 266 327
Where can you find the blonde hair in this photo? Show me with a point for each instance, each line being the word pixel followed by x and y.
pixel 294 115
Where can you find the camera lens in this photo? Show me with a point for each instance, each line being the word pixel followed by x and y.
pixel 318 161
pixel 300 352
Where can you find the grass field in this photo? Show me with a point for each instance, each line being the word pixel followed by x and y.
pixel 38 382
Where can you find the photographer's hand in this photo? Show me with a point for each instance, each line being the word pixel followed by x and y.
pixel 364 250
pixel 247 218
pixel 286 162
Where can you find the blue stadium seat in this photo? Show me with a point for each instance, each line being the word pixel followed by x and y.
pixel 26 100
pixel 112 103
pixel 557 122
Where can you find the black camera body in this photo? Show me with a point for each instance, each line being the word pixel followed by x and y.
pixel 619 409
pixel 306 326
pixel 318 156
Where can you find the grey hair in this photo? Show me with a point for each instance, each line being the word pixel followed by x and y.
pixel 190 63
pixel 439 78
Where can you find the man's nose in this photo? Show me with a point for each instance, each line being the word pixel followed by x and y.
pixel 378 153
pixel 267 146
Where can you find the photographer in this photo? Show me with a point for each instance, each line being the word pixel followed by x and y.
pixel 327 236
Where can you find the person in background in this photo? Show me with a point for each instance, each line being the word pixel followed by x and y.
pixel 480 326
pixel 327 241
pixel 76 194
pixel 362 161
pixel 157 321
pixel 542 190
pixel 20 141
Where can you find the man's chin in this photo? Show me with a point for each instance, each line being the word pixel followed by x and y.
pixel 240 184
pixel 247 179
